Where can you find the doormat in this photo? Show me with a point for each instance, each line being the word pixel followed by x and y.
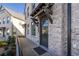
pixel 39 50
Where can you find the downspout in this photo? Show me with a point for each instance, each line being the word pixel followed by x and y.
pixel 69 29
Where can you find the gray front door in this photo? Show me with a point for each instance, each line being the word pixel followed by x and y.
pixel 44 33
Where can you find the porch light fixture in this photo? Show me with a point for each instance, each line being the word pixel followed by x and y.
pixel 35 20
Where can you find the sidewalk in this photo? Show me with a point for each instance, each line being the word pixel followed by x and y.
pixel 27 47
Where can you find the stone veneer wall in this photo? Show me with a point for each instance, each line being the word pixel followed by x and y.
pixel 57 39
pixel 75 29
pixel 58 30
pixel 33 38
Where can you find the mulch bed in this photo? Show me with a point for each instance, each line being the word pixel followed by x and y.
pixel 1 50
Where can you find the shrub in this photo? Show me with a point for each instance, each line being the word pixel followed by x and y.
pixel 10 48
pixel 7 52
pixel 6 47
pixel 3 43
pixel 11 40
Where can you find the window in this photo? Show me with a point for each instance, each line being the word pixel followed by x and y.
pixel 7 33
pixel 33 29
pixel 3 20
pixel 14 31
pixel 33 5
pixel 28 11
pixel 0 22
pixel 8 19
pixel 28 29
pixel 0 32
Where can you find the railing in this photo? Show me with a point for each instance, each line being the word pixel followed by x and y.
pixel 18 48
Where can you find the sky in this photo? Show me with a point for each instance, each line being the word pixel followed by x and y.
pixel 18 7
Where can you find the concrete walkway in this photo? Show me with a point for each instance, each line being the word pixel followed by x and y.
pixel 27 46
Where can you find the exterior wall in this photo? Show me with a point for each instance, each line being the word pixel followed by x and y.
pixel 57 38
pixel 58 30
pixel 17 24
pixel 28 22
pixel 75 29
pixel 5 17
pixel 32 37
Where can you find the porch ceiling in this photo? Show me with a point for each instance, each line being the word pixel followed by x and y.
pixel 42 10
pixel 37 9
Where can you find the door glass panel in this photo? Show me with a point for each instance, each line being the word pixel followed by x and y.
pixel 44 40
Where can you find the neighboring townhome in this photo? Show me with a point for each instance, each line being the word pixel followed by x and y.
pixel 54 27
pixel 11 23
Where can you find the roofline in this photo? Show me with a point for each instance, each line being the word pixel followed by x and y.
pixel 14 16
